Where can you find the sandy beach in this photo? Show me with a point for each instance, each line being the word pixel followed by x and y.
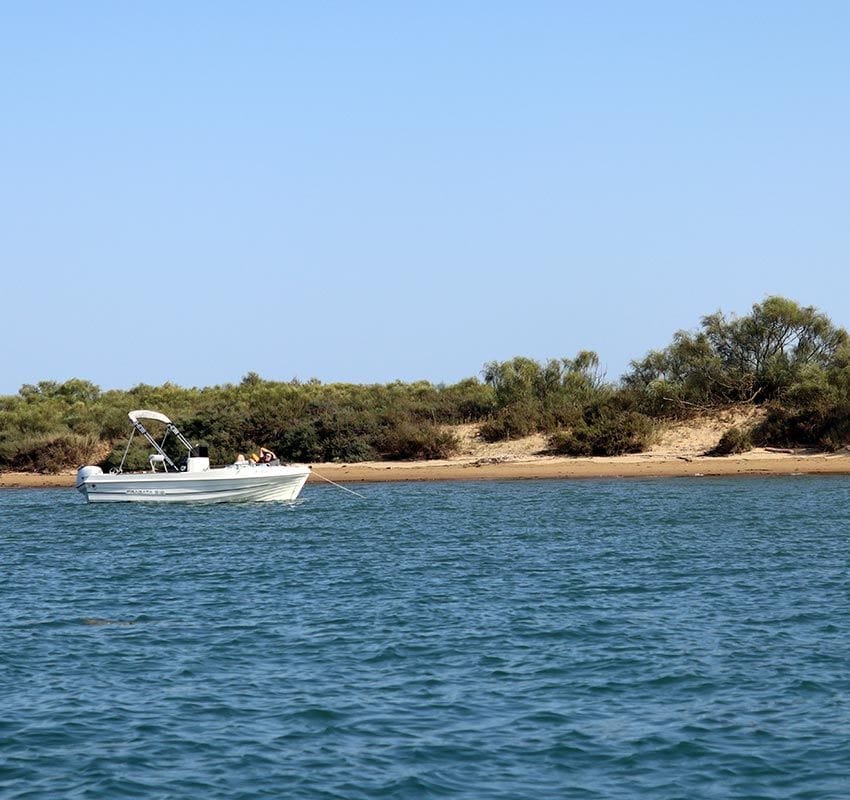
pixel 757 462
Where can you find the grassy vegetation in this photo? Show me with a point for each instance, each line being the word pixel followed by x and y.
pixel 791 359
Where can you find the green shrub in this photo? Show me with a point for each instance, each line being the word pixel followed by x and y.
pixel 835 433
pixel 408 441
pixel 511 422
pixel 605 435
pixel 777 429
pixel 733 441
pixel 347 434
pixel 300 443
pixel 51 453
pixel 466 401
pixel 577 441
pixel 825 428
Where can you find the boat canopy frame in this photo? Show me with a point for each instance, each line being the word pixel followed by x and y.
pixel 170 427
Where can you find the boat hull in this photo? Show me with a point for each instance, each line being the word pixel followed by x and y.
pixel 221 485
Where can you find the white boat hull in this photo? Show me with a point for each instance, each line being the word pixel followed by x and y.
pixel 219 485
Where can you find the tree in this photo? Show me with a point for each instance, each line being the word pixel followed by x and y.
pixel 530 396
pixel 757 357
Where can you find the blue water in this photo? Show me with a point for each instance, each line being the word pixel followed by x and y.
pixel 591 639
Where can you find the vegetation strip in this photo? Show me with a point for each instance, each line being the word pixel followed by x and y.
pixel 790 360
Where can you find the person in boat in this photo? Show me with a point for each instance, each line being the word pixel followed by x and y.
pixel 267 456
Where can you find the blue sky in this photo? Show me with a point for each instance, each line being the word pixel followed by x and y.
pixel 376 191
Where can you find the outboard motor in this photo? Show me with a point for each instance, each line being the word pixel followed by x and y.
pixel 199 459
pixel 86 472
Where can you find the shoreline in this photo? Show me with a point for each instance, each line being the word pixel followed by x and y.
pixel 562 468
pixel 756 462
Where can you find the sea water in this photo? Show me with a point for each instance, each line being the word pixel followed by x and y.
pixel 684 638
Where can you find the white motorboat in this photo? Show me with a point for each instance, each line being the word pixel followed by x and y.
pixel 194 481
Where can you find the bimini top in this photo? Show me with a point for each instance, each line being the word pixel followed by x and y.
pixel 135 416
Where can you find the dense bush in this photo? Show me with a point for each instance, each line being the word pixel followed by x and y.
pixel 466 401
pixel 826 428
pixel 610 433
pixel 299 421
pixel 50 453
pixel 732 442
pixel 512 422
pixel 411 440
pixel 531 397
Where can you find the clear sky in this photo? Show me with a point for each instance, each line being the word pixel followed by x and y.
pixel 372 191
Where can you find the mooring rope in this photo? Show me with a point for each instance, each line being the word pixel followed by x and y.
pixel 334 483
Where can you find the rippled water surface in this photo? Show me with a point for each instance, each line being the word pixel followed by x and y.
pixel 614 639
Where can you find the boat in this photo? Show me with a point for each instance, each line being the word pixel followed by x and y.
pixel 190 480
